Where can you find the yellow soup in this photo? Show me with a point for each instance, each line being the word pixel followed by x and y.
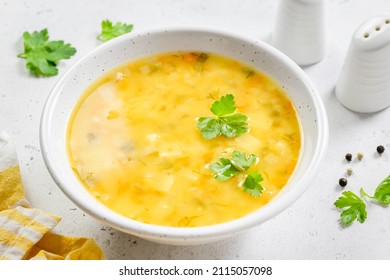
pixel 133 139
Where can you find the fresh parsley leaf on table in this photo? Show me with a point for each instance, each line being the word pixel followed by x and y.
pixel 110 30
pixel 356 208
pixel 382 192
pixel 226 122
pixel 42 55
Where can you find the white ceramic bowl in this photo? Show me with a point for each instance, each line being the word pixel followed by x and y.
pixel 117 51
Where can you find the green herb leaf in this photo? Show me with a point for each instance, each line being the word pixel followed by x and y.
pixel 110 30
pixel 233 125
pixel 251 184
pixel 382 192
pixel 224 169
pixel 209 127
pixel 241 161
pixel 356 208
pixel 226 123
pixel 43 56
pixel 224 106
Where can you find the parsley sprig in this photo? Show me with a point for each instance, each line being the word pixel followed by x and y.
pixel 226 122
pixel 252 184
pixel 42 55
pixel 225 169
pixel 110 30
pixel 382 192
pixel 356 207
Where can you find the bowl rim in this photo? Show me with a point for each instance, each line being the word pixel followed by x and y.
pixel 122 223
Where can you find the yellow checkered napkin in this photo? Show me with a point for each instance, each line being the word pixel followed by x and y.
pixel 24 231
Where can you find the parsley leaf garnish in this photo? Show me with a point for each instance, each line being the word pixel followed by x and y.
pixel 209 127
pixel 225 169
pixel 110 30
pixel 241 161
pixel 252 185
pixel 226 122
pixel 224 106
pixel 356 208
pixel 42 55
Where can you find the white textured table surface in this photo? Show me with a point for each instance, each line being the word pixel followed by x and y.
pixel 309 229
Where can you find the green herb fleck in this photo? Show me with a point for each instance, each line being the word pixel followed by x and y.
pixel 249 73
pixel 42 55
pixel 202 57
pixel 110 30
pixel 226 122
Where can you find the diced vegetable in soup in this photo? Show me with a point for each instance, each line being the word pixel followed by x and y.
pixel 135 143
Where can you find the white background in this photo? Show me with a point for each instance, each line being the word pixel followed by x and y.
pixel 309 229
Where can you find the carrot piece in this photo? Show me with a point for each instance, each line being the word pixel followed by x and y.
pixel 190 57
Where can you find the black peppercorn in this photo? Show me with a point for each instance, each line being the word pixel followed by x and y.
pixel 348 157
pixel 343 182
pixel 380 149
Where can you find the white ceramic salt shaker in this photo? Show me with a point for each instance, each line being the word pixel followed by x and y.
pixel 300 30
pixel 364 82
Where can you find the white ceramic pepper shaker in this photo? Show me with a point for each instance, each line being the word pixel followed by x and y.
pixel 364 82
pixel 300 30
